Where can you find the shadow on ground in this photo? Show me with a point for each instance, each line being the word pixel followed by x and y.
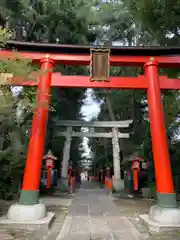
pixel 132 208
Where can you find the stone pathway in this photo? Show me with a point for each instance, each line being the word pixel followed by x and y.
pixel 93 215
pixel 132 208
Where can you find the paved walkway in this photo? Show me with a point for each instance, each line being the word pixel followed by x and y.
pixel 93 215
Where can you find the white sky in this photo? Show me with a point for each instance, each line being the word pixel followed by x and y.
pixel 16 90
pixel 91 108
pixel 89 111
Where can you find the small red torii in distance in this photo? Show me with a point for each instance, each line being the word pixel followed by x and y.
pixel 50 54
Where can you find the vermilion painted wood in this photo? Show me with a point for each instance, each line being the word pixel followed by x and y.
pixel 32 171
pixel 84 59
pixel 164 181
pixel 115 82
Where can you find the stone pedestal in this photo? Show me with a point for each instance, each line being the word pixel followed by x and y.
pixel 18 212
pixel 161 219
pixel 145 192
pixel 27 217
pixel 63 185
pixel 118 185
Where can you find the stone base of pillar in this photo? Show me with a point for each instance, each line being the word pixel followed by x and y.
pixel 161 219
pixel 28 217
pixel 63 185
pixel 18 212
pixel 118 185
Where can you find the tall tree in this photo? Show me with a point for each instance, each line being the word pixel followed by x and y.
pixel 55 22
pixel 134 23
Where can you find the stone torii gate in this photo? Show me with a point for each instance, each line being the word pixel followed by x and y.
pixel 166 213
pixel 69 133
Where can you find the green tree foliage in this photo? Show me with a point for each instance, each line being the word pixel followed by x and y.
pixel 140 23
pixel 13 126
pixel 38 21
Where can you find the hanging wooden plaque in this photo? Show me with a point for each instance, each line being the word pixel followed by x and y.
pixel 99 64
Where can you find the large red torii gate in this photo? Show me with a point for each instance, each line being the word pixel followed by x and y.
pixel 50 54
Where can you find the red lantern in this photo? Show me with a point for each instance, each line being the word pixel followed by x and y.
pixel 70 170
pixel 70 177
pixel 135 166
pixel 49 158
pixel 108 172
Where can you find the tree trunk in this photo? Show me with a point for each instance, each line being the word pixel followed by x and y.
pixel 134 112
pixel 66 154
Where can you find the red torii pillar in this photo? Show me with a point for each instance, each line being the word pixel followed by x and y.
pixel 164 182
pixel 30 190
